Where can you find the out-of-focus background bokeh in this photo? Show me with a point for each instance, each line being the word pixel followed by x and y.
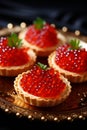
pixel 72 14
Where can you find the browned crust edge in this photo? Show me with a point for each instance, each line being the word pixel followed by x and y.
pixel 38 101
pixel 73 77
pixel 15 70
pixel 40 51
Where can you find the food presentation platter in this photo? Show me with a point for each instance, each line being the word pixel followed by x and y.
pixel 74 107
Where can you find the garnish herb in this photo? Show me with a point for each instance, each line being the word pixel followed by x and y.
pixel 39 23
pixel 14 41
pixel 44 67
pixel 75 44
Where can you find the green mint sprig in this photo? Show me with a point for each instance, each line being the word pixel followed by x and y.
pixel 75 44
pixel 14 41
pixel 39 23
pixel 42 66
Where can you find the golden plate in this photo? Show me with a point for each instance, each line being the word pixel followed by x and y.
pixel 74 107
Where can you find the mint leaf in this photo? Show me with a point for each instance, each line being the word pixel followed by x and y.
pixel 42 66
pixel 75 44
pixel 39 23
pixel 14 41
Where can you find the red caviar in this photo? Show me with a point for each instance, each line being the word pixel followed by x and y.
pixel 71 60
pixel 44 37
pixel 42 83
pixel 12 56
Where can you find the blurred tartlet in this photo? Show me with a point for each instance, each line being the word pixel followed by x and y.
pixel 42 37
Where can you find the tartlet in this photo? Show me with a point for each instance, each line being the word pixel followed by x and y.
pixel 13 58
pixel 71 60
pixel 42 37
pixel 42 87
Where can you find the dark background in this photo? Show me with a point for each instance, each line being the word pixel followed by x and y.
pixel 72 14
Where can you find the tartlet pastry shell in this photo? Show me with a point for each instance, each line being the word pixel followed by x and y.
pixel 39 101
pixel 71 76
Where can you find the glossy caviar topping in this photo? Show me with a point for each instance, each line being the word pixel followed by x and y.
pixel 42 83
pixel 44 37
pixel 12 56
pixel 71 60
